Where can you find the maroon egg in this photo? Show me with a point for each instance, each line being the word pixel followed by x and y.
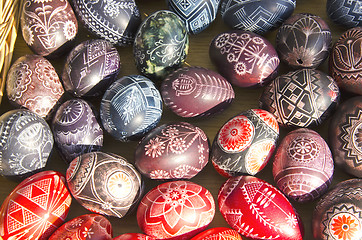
pixel 33 83
pixel 133 236
pixel 345 61
pixel 304 41
pixel 303 165
pixel 244 58
pixel 245 143
pixel 338 215
pixel 196 91
pixel 172 151
pixel 345 136
pixel 76 129
pixel 301 98
pixel 48 26
pixel 258 210
pixel 176 210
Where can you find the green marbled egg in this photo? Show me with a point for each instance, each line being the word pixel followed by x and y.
pixel 161 44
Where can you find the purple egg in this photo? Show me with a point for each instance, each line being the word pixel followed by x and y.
pixel 76 129
pixel 196 91
pixel 90 68
pixel 303 165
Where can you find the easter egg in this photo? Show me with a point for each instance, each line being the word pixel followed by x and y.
pixel 133 236
pixel 346 13
pixel 218 233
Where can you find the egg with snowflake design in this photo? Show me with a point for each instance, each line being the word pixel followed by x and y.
pixel 133 236
pixel 176 150
pixel 176 210
pixel 218 233
pixel 258 210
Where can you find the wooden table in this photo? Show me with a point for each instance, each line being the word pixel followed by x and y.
pixel 198 56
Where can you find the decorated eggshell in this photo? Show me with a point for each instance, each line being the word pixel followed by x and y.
pixel 218 233
pixel 304 41
pixel 172 151
pixel 104 183
pixel 90 68
pixel 345 129
pixel 176 210
pixel 301 98
pixel 197 15
pixel 245 143
pixel 345 12
pixel 345 61
pixel 258 210
pixel 303 165
pixel 115 21
pixel 196 92
pixel 33 83
pixel 244 58
pixel 48 26
pixel 161 44
pixel 26 142
pixel 133 236
pixel 256 16
pixel 338 215
pixel 35 208
pixel 76 129
pixel 131 107
pixel 84 227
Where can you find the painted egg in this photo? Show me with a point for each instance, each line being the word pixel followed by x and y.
pixel 304 41
pixel 48 27
pixel 133 236
pixel 345 61
pixel 197 15
pixel 345 132
pixel 104 183
pixel 26 142
pixel 259 17
pixel 76 129
pixel 113 20
pixel 90 68
pixel 84 227
pixel 176 210
pixel 196 92
pixel 218 233
pixel 131 107
pixel 33 83
pixel 258 210
pixel 235 57
pixel 245 143
pixel 345 12
pixel 173 151
pixel 303 165
pixel 35 208
pixel 301 98
pixel 338 215
pixel 161 44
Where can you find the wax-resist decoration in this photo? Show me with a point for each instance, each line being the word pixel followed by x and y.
pixel 301 98
pixel 345 12
pixel 244 58
pixel 218 233
pixel 26 142
pixel 133 236
pixel 173 151
pixel 35 208
pixel 175 210
pixel 104 183
pixel 258 210
pixel 33 83
pixel 48 26
pixel 245 143
pixel 338 214
pixel 196 92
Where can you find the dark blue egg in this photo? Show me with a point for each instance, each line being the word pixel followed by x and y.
pixel 347 13
pixel 131 107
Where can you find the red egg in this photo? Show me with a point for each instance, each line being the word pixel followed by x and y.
pixel 196 91
pixel 35 208
pixel 218 233
pixel 85 227
pixel 176 210
pixel 258 210
pixel 133 236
